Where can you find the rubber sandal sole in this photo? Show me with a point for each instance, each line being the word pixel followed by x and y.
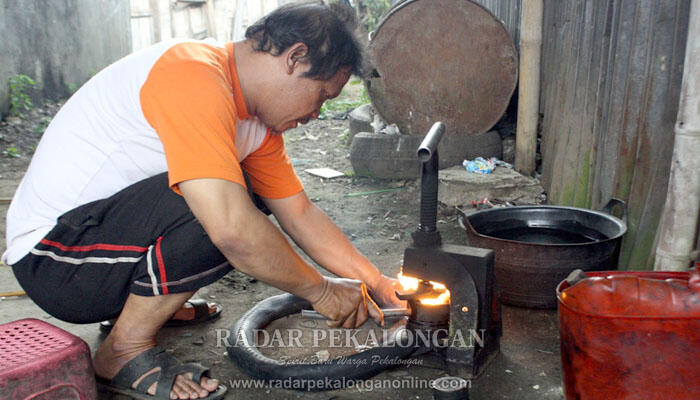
pixel 105 386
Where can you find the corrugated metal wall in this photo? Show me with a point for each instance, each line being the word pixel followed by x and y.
pixel 508 11
pixel 611 78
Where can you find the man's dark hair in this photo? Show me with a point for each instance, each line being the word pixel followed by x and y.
pixel 327 31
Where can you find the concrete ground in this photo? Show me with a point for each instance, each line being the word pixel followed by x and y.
pixel 527 367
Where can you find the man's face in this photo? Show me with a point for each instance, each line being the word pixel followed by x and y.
pixel 300 99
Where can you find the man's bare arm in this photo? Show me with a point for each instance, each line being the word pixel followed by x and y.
pixel 325 243
pixel 249 240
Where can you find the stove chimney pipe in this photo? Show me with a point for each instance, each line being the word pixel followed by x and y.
pixel 427 234
pixel 430 142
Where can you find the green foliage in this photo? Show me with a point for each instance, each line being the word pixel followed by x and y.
pixel 42 125
pixel 345 101
pixel 19 99
pixel 72 88
pixel 375 10
pixel 11 152
pixel 342 104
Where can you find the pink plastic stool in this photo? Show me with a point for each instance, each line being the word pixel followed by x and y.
pixel 41 361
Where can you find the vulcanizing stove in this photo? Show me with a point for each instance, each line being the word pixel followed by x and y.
pixel 473 310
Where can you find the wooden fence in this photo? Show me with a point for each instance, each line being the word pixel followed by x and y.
pixel 155 20
pixel 611 75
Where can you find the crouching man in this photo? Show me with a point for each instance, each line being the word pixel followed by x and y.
pixel 137 196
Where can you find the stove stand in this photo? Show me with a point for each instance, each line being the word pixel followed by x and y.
pixel 473 314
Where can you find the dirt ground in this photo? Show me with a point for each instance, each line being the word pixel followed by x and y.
pixel 379 224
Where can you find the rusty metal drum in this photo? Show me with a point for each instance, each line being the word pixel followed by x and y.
pixel 441 60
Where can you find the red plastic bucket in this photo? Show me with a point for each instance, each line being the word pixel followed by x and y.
pixel 631 335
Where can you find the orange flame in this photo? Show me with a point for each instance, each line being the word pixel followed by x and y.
pixel 409 284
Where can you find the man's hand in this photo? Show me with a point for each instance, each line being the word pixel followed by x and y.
pixel 321 239
pixel 384 292
pixel 346 303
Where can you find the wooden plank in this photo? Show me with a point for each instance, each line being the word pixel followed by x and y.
pixel 577 153
pixel 602 185
pixel 561 190
pixel 140 33
pixel 655 139
pixel 599 59
pixel 548 81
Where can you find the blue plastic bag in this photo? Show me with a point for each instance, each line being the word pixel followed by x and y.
pixel 479 165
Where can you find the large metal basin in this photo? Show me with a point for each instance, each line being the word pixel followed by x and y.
pixel 536 247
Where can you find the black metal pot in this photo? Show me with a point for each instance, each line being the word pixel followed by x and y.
pixel 536 247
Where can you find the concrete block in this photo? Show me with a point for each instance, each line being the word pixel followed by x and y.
pixel 361 120
pixel 394 156
pixel 459 187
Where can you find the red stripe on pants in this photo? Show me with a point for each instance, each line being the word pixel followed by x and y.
pixel 98 246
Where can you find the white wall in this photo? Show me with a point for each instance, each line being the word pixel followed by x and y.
pixel 60 43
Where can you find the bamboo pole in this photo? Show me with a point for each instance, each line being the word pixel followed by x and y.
pixel 16 293
pixel 528 86
pixel 679 221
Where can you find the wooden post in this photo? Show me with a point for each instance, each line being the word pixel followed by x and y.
pixel 239 19
pixel 679 221
pixel 529 86
pixel 173 29
pixel 211 19
pixel 155 12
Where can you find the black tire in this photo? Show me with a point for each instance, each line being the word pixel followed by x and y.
pixel 327 375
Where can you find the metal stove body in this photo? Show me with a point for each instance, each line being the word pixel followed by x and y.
pixel 474 311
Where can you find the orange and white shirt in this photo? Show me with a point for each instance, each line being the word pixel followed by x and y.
pixel 176 106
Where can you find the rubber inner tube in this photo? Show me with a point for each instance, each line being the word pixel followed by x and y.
pixel 326 375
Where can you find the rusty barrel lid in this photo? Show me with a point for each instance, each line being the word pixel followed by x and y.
pixel 441 60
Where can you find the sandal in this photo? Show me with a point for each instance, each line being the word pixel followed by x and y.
pixel 170 368
pixel 201 314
